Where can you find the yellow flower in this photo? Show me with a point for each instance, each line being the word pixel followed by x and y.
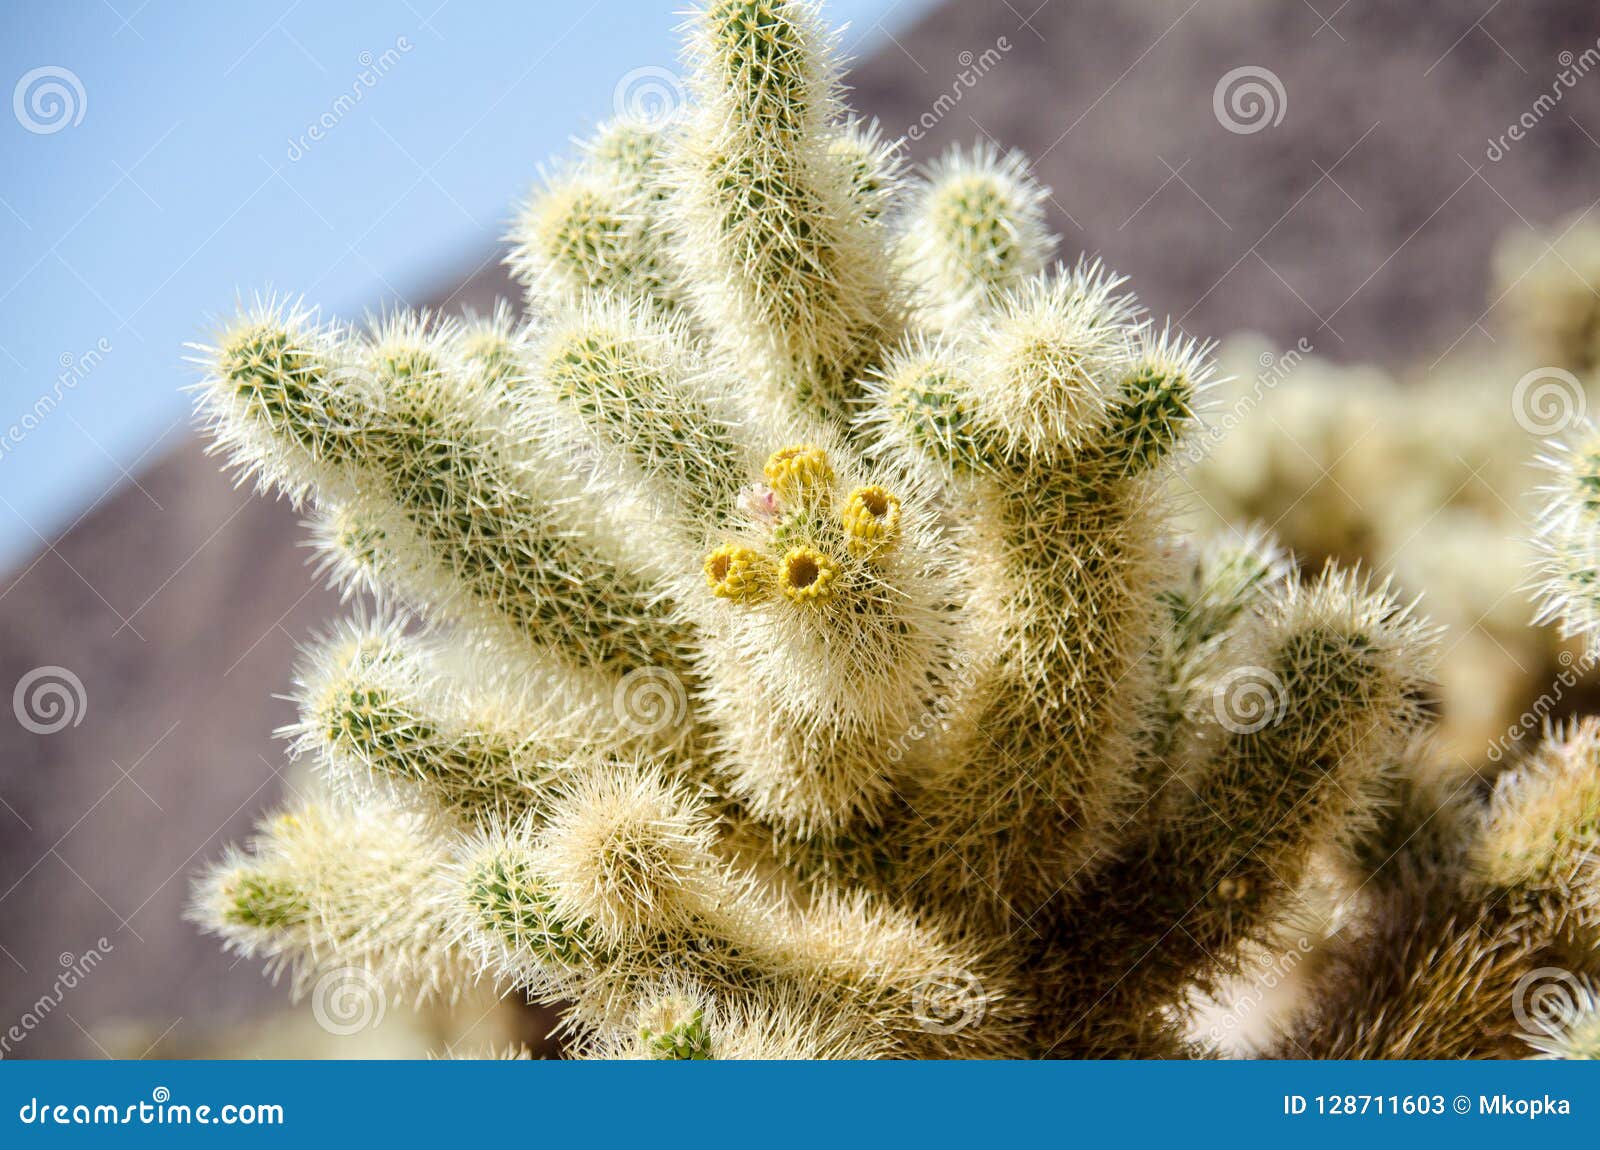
pixel 795 472
pixel 808 575
pixel 736 572
pixel 1234 889
pixel 871 519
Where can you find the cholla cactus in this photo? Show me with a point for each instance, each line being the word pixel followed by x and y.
pixel 1568 586
pixel 797 659
pixel 1422 476
pixel 1548 282
pixel 1479 933
pixel 1476 933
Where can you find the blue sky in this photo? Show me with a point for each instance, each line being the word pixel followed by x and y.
pixel 159 161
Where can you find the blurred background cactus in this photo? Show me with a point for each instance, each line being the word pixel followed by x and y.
pixel 786 646
pixel 1424 474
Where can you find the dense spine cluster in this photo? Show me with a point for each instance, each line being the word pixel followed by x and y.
pixel 784 650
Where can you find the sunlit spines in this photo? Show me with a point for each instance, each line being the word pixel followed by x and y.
pixel 784 262
pixel 630 150
pixel 326 888
pixel 1477 936
pixel 504 916
pixel 492 349
pixel 389 433
pixel 1568 576
pixel 1329 698
pixel 679 1019
pixel 922 414
pixel 939 767
pixel 514 1052
pixel 1424 975
pixel 468 525
pixel 1063 539
pixel 624 888
pixel 649 400
pixel 630 854
pixel 673 1028
pixel 1222 578
pixel 1541 834
pixel 348 551
pixel 873 963
pixel 1308 708
pixel 1048 363
pixel 1215 587
pixel 274 398
pixel 975 230
pixel 1153 407
pixel 586 232
pixel 873 165
pixel 384 719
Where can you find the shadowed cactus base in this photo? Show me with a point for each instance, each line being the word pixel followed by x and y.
pixel 785 650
